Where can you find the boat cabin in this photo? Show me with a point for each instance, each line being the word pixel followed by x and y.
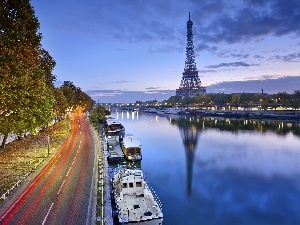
pixel 131 183
pixel 113 125
pixel 131 148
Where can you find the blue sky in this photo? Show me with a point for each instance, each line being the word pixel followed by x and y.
pixel 122 51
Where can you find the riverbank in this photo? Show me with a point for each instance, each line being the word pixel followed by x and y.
pixel 247 114
pixel 20 158
pixel 103 204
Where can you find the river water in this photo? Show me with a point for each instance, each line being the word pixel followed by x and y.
pixel 220 171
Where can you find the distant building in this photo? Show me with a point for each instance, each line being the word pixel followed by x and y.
pixel 190 83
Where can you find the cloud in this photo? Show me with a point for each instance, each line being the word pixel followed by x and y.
pixel 294 57
pixel 258 57
pixel 206 71
pixel 121 96
pixel 155 92
pixel 248 21
pixel 152 88
pixel 103 93
pixel 267 83
pixel 215 21
pixel 234 64
pixel 202 47
pixel 265 77
pixel 226 54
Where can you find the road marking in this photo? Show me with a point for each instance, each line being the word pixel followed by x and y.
pixel 44 221
pixel 61 187
pixel 68 171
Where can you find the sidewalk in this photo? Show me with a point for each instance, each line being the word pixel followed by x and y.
pixel 102 178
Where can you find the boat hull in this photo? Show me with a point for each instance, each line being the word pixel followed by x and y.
pixel 146 222
pixel 133 158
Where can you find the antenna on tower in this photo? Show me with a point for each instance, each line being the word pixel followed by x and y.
pixel 189 15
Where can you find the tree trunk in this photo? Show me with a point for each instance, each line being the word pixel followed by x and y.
pixel 4 141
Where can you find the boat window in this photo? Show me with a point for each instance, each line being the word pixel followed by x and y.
pixel 139 184
pixel 124 185
pixel 131 185
pixel 138 151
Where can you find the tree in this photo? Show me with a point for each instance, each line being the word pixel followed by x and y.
pixel 202 99
pixel 98 115
pixel 220 99
pixel 76 97
pixel 69 89
pixel 25 98
pixel 235 99
pixel 47 64
pixel 60 103
pixel 296 99
pixel 173 100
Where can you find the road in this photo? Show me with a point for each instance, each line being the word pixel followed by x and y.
pixel 62 192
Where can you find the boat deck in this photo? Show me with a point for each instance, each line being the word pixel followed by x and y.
pixel 134 199
pixel 139 208
pixel 115 154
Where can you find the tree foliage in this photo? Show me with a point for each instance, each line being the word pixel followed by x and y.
pixel 60 104
pixel 76 97
pixel 98 115
pixel 25 98
pixel 245 100
pixel 28 98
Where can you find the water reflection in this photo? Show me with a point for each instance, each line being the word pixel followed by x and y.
pixel 190 134
pixel 238 125
pixel 221 171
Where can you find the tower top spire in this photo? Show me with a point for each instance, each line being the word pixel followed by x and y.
pixel 189 15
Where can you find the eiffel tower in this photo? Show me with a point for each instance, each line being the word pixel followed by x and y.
pixel 190 82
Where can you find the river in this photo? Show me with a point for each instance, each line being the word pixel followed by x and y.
pixel 220 171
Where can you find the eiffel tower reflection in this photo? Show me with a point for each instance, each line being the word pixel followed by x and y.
pixel 190 131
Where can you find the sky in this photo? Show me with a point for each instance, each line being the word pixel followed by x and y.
pixel 122 51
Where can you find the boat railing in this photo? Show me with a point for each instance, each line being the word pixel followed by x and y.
pixel 156 198
pixel 151 190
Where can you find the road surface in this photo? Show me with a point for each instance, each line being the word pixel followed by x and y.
pixel 62 192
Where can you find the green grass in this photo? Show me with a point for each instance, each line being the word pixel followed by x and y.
pixel 21 157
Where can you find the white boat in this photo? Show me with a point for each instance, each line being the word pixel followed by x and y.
pixel 131 148
pixel 134 200
pixel 150 110
pixel 168 111
pixel 112 146
pixel 113 125
pixel 114 132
